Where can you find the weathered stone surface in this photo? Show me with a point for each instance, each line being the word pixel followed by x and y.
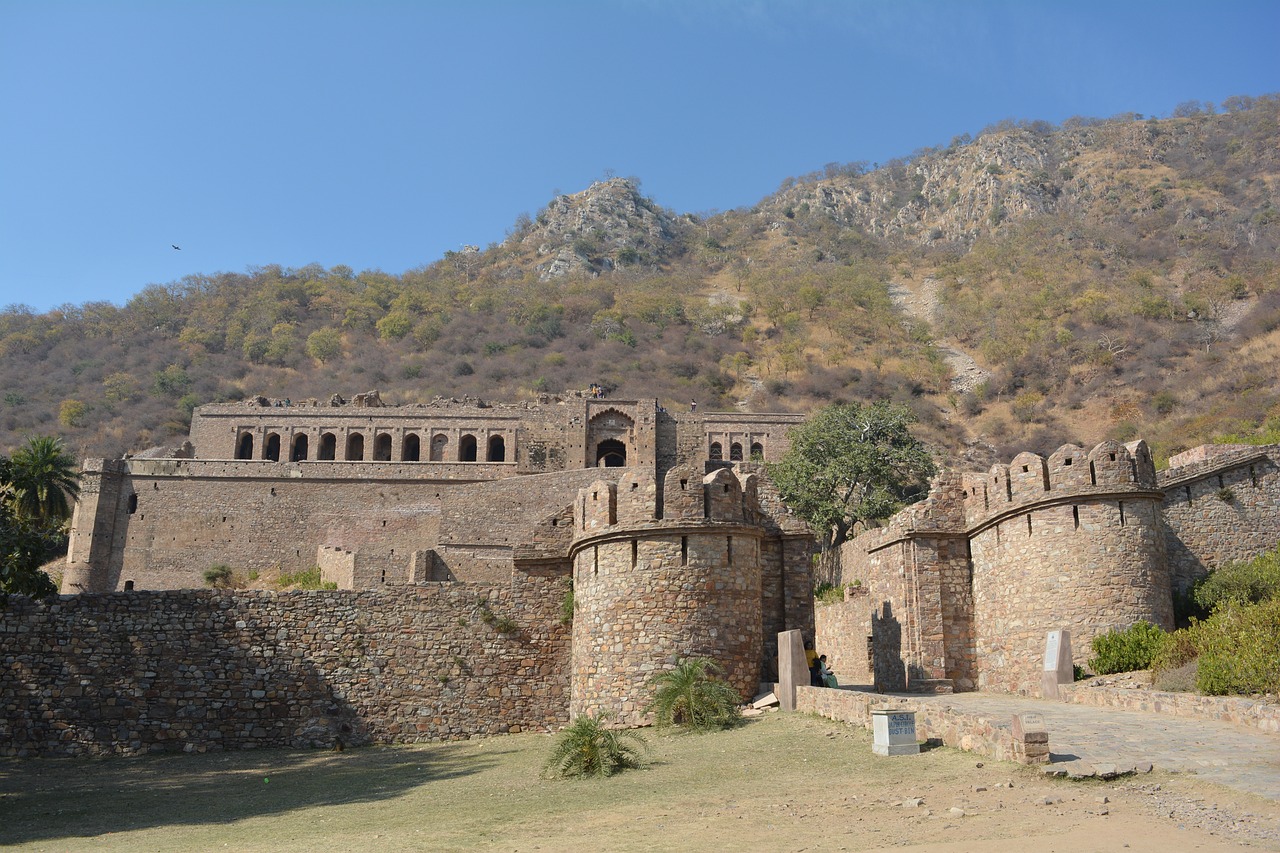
pixel 198 670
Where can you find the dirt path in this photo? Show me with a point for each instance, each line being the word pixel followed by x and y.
pixel 922 303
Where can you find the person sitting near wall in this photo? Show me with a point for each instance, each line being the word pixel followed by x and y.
pixel 828 677
pixel 815 671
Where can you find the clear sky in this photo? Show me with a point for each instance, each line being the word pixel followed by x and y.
pixel 381 134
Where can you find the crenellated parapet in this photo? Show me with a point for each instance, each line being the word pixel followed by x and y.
pixel 1109 470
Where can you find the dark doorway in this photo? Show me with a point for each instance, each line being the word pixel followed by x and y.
pixel 611 453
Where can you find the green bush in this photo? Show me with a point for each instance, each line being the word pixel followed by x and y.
pixel 693 695
pixel 1250 582
pixel 588 748
pixel 1127 650
pixel 1239 648
pixel 218 576
pixel 310 579
pixel 825 593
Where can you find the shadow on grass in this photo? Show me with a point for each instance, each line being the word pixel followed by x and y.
pixel 44 800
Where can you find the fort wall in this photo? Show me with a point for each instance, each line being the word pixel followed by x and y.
pixel 1218 508
pixel 197 670
pixel 654 585
pixel 961 588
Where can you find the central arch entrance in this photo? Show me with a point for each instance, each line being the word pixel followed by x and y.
pixel 610 440
pixel 611 453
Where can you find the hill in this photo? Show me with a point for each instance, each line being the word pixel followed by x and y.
pixel 1027 287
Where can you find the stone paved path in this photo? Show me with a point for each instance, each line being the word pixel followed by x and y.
pixel 1241 758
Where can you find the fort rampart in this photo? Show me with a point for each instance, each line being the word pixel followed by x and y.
pixel 194 670
pixel 959 591
pixel 661 574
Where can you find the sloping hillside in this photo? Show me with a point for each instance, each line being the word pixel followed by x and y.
pixel 1028 287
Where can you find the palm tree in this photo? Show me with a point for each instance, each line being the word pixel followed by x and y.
pixel 588 748
pixel 693 695
pixel 41 478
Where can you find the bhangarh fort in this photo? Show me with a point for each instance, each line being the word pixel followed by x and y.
pixel 501 568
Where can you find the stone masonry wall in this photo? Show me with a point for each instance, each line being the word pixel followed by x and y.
pixel 164 528
pixel 1091 567
pixel 841 631
pixel 646 600
pixel 195 670
pixel 1219 508
pixel 964 585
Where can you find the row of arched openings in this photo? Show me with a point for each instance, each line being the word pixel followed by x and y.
pixel 735 452
pixel 354 449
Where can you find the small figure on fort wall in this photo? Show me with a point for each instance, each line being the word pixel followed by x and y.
pixel 693 405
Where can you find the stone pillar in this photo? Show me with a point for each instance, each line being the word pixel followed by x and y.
pixel 1058 668
pixel 793 668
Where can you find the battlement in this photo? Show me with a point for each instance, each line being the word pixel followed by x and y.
pixel 688 495
pixel 1069 472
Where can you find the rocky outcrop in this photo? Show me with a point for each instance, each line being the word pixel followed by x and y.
pixel 607 225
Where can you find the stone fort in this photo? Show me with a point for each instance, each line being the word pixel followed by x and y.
pixel 502 567
pixel 957 592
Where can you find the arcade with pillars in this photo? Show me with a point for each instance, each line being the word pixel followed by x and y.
pixel 354 444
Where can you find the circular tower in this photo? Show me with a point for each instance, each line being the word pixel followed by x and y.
pixel 660 576
pixel 1073 542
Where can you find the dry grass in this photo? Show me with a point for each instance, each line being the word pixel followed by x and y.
pixel 778 783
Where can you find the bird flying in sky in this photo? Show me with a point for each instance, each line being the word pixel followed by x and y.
pixel 179 248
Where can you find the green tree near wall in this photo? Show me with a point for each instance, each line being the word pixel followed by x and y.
pixel 37 488
pixel 852 462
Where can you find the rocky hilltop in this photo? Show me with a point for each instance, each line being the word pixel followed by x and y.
pixel 606 225
pixel 1097 169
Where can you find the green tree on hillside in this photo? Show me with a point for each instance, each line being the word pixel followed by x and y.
pixel 849 463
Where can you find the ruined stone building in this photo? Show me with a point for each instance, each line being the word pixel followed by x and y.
pixel 958 591
pixel 452 529
pixel 378 495
pixel 503 567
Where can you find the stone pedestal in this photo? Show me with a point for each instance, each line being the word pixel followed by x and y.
pixel 793 668
pixel 1057 663
pixel 894 732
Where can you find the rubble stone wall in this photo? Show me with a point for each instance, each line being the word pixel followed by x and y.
pixel 135 672
pixel 1219 508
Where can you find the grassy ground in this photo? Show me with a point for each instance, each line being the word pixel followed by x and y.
pixel 778 783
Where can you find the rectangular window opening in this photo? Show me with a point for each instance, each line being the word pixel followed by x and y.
pixel 1121 503
pixel 1075 516
pixel 684 550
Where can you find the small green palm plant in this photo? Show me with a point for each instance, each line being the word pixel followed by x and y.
pixel 694 695
pixel 589 748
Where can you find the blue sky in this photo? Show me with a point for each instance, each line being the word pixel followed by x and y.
pixel 382 134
